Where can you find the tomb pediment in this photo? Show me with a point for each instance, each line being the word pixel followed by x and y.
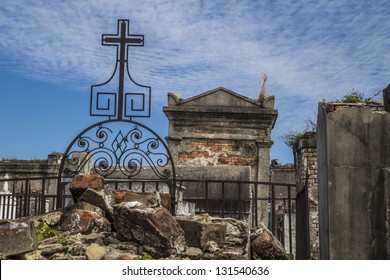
pixel 218 97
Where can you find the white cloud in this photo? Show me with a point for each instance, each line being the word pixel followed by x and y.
pixel 310 50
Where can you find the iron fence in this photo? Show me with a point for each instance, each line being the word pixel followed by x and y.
pixel 29 196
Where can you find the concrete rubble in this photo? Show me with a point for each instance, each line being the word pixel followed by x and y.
pixel 124 225
pixel 265 246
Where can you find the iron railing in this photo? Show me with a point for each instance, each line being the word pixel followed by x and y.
pixel 29 196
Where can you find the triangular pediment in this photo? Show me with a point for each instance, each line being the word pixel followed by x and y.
pixel 219 97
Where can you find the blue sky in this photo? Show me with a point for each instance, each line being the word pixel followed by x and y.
pixel 51 53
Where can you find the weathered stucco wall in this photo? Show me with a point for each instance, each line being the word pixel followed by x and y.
pixel 354 183
pixel 31 168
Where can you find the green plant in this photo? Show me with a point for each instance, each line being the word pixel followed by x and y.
pixel 43 231
pixel 62 240
pixel 145 256
pixel 291 138
pixel 353 97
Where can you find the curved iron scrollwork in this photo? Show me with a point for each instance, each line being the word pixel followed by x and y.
pixel 118 148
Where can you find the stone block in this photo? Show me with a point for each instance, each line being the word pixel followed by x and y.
pixel 81 183
pixel 194 253
pixel 154 228
pixel 51 219
pixel 17 237
pixel 199 232
pixel 266 246
pixel 83 221
pixel 102 198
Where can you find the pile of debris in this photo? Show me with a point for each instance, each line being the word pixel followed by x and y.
pixel 126 225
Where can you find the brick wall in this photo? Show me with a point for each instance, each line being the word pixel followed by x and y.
pixel 213 152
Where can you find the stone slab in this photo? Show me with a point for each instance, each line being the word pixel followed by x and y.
pixel 199 232
pixel 154 228
pixel 17 237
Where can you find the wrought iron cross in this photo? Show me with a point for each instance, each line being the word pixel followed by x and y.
pixel 127 101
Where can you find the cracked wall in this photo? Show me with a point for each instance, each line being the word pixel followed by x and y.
pixel 354 186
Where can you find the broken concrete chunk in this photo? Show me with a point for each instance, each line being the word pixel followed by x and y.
pixel 17 237
pixel 95 252
pixel 83 182
pixel 51 219
pixel 83 221
pixel 266 246
pixel 152 227
pixel 82 205
pixel 103 199
pixel 199 230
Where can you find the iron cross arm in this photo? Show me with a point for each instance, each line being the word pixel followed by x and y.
pixel 123 38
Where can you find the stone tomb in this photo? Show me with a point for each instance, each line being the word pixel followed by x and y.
pixel 222 128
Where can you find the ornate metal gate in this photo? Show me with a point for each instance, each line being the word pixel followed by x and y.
pixel 120 146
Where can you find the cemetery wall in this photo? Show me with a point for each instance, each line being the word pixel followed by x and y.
pixel 32 168
pixel 354 181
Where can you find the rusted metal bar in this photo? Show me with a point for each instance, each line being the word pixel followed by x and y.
pixel 289 219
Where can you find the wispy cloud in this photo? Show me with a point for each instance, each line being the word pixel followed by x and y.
pixel 309 50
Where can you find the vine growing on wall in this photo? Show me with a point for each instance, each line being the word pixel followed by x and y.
pixel 291 138
pixel 355 96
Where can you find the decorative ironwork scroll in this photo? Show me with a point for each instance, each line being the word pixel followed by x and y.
pixel 118 148
pixel 121 97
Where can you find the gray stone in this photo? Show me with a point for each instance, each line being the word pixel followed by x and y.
pixel 49 250
pixel 226 254
pixel 33 255
pixel 82 205
pixel 103 199
pixel 154 228
pixel 77 250
pixel 17 237
pixel 269 102
pixel 193 253
pixel 51 219
pixel 210 247
pixel 199 231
